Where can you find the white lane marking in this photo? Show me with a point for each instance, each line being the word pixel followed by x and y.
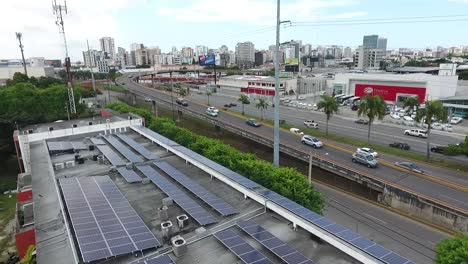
pixel 375 218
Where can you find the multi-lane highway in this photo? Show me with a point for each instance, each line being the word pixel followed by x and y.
pixel 444 185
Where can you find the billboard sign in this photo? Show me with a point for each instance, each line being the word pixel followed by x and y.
pixel 205 60
pixel 389 93
pixel 291 61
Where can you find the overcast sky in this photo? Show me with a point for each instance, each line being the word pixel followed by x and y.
pixel 167 23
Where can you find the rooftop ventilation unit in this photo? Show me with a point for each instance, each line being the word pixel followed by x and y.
pixel 70 164
pixel 179 246
pixel 168 201
pixel 182 221
pixel 166 229
pixel 145 181
pixel 162 213
pixel 59 166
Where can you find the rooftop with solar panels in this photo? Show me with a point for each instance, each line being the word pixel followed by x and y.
pixel 117 192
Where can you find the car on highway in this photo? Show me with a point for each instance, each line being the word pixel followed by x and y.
pixel 455 120
pixel 211 112
pixel 227 105
pixel 233 104
pixel 366 159
pixel 301 98
pixel 212 108
pixel 147 99
pixel 438 149
pixel 361 121
pixel 422 133
pixel 296 131
pixel 311 124
pixel 311 141
pixel 395 116
pixel 368 151
pixel 182 102
pixel 410 166
pixel 252 122
pixel 400 145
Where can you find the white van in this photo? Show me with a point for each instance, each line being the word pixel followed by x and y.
pixel 407 120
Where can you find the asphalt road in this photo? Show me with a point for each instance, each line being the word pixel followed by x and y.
pixel 436 190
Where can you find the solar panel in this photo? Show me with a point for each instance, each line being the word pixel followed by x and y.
pixel 157 260
pixel 282 250
pixel 104 222
pixel 212 200
pixel 197 212
pixel 126 152
pixel 129 175
pixel 111 156
pixel 97 141
pixel 240 248
pixel 320 222
pixel 138 147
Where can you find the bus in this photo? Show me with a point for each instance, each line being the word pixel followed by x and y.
pixel 344 98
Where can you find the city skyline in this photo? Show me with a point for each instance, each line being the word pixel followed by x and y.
pixel 124 19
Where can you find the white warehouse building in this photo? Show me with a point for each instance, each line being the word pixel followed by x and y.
pixel 395 87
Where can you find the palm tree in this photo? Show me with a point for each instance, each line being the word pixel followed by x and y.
pixel 432 109
pixel 372 107
pixel 410 103
pixel 182 92
pixel 329 106
pixel 244 99
pixel 208 94
pixel 262 105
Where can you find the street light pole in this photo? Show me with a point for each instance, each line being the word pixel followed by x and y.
pixel 276 98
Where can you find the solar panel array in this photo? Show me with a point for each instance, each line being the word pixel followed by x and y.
pixel 126 152
pixel 111 156
pixel 162 139
pixel 206 196
pixel 97 141
pixel 282 250
pixel 347 235
pixel 129 175
pixel 138 147
pixel 197 212
pixel 240 248
pixel 157 260
pixel 62 145
pixel 104 222
pixel 371 248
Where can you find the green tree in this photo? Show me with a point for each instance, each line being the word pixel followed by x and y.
pixel 431 110
pixel 182 92
pixel 113 75
pixel 463 75
pixel 411 103
pixel 372 107
pixel 452 250
pixel 329 106
pixel 262 104
pixel 208 94
pixel 244 99
pixel 18 77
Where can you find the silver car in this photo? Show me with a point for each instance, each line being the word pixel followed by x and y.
pixel 365 158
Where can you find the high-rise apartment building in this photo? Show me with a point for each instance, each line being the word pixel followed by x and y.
pixel 92 57
pixel 370 41
pixel 245 54
pixel 306 49
pixel 108 46
pixel 201 50
pixel 187 52
pixel 368 58
pixel 347 52
pixel 382 44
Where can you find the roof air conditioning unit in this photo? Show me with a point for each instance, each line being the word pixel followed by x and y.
pixel 90 123
pixel 145 181
pixel 130 117
pixel 179 246
pixel 182 221
pixel 129 165
pixel 168 201
pixel 59 166
pixel 70 164
pixel 91 147
pixel 162 213
pixel 74 125
pixel 166 229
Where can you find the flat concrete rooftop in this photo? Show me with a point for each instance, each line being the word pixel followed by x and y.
pixel 146 198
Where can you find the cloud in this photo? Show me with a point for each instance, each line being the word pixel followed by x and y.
pixel 86 19
pixel 253 12
pixel 459 1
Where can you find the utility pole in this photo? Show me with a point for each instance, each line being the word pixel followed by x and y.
pixel 19 36
pixel 57 10
pixel 276 98
pixel 92 73
pixel 172 98
pixel 310 169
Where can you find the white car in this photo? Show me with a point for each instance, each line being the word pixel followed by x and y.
pixel 422 133
pixel 447 127
pixel 455 120
pixel 407 120
pixel 147 99
pixel 437 126
pixel 311 141
pixel 296 131
pixel 368 151
pixel 212 109
pixel 395 116
pixel 311 124
pixel 301 98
